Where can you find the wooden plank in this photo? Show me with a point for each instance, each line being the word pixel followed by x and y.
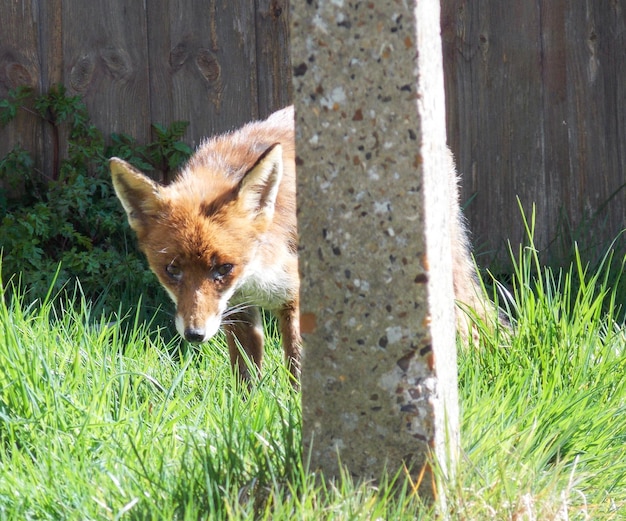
pixel 493 82
pixel 535 110
pixel 594 162
pixel 273 57
pixel 105 50
pixel 208 62
pixel 611 48
pixel 19 65
pixel 159 68
pixel 553 67
pixel 51 49
pixel 51 31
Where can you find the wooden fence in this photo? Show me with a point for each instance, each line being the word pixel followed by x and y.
pixel 536 100
pixel 214 63
pixel 537 110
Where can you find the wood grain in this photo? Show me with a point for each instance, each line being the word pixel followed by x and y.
pixel 19 65
pixel 104 60
pixel 203 64
pixel 536 110
pixel 273 58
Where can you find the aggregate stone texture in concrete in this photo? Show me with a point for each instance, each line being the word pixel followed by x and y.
pixel 379 363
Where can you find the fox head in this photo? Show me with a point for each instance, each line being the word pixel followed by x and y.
pixel 200 233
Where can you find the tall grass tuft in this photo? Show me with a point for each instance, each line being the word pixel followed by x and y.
pixel 543 423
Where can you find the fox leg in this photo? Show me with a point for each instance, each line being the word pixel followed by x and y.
pixel 289 322
pixel 244 331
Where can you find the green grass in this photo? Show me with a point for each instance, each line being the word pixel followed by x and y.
pixel 99 420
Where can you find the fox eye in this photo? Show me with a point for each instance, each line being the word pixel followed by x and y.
pixel 221 271
pixel 174 272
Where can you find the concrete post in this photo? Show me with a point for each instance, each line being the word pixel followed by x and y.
pixel 379 383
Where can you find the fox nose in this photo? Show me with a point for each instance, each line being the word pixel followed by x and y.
pixel 193 335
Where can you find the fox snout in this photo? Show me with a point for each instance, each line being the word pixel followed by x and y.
pixel 197 330
pixel 195 336
pixel 198 313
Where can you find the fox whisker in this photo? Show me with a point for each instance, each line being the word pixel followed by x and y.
pixel 239 308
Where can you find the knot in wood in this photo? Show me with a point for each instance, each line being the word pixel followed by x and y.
pixel 82 72
pixel 118 62
pixel 208 65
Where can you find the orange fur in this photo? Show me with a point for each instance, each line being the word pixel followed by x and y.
pixel 231 210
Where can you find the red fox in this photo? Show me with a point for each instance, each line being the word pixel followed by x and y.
pixel 222 238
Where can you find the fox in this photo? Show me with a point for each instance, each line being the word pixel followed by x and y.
pixel 222 239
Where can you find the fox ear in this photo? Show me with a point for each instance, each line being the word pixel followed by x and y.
pixel 259 187
pixel 140 196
